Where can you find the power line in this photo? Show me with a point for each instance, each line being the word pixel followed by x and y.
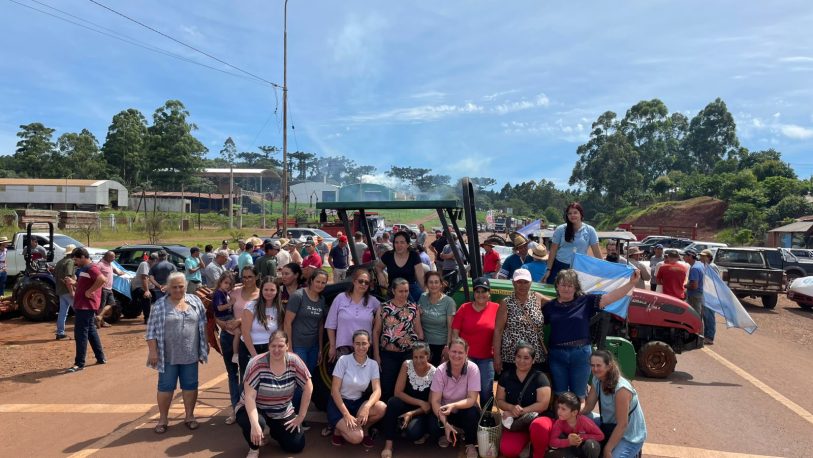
pixel 123 38
pixel 184 44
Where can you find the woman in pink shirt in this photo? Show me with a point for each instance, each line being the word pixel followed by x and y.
pixel 349 312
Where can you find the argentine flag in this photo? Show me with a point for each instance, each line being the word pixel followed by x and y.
pixel 597 276
pixel 719 297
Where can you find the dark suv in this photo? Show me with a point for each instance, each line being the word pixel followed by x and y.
pixel 669 242
pixel 130 256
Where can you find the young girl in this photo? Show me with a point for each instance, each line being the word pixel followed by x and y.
pixel 223 308
pixel 573 434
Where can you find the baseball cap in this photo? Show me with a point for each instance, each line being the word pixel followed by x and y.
pixel 672 253
pixel 691 253
pixel 707 253
pixel 658 246
pixel 522 274
pixel 343 238
pixel 481 282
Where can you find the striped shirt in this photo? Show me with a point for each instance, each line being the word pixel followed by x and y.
pixel 275 392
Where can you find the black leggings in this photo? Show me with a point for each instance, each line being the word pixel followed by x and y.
pixel 416 428
pixel 465 419
pixel 244 356
pixel 587 449
pixel 391 362
pixel 289 442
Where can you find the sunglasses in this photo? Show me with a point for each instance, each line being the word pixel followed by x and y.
pixel 363 282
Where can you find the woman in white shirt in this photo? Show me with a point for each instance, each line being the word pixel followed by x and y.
pixel 259 320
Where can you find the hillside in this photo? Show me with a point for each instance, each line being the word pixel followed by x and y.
pixel 705 212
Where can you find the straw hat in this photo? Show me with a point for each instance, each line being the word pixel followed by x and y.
pixel 539 252
pixel 283 242
pixel 518 239
pixel 633 251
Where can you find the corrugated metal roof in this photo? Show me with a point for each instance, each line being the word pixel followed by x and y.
pixel 48 182
pixel 799 226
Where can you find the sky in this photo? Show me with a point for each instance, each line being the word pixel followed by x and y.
pixel 466 88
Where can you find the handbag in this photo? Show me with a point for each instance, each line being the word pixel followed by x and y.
pixel 523 422
pixel 608 428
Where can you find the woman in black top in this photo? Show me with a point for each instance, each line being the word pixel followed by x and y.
pixel 402 262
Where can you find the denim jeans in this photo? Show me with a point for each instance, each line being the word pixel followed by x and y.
pixel 84 331
pixel 709 323
pixel 309 357
pixel 232 369
pixel 486 366
pixel 65 302
pixel 570 369
pixel 624 448
pixel 3 280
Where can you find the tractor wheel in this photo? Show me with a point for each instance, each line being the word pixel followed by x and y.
pixel 322 380
pixel 37 300
pixel 769 301
pixel 656 359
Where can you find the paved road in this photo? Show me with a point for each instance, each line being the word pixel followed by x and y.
pixel 744 396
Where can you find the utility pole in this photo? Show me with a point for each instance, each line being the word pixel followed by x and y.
pixel 231 193
pixel 285 196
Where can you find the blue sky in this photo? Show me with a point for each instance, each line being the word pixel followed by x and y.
pixel 501 89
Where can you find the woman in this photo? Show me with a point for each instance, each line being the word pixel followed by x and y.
pixel 305 321
pixel 271 379
pixel 474 322
pixel 569 317
pixel 349 312
pixel 618 404
pixel 523 394
pixel 453 398
pixel 409 410
pixel 348 412
pixel 570 238
pixel 292 279
pixel 437 313
pixel 396 327
pixel 176 338
pixel 402 262
pixel 229 325
pixel 260 319
pixel 520 319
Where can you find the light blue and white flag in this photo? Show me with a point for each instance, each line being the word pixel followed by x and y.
pixel 719 297
pixel 597 276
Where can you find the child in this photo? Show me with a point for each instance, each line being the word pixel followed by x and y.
pixel 573 434
pixel 223 310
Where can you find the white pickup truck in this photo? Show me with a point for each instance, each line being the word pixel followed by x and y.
pixel 15 262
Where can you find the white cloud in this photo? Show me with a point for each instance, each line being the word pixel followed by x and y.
pixel 428 95
pixel 419 113
pixel 796 132
pixel 796 59
pixel 756 122
pixel 499 94
pixel 541 100
pixel 357 46
pixel 191 31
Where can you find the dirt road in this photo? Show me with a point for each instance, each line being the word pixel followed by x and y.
pixel 744 396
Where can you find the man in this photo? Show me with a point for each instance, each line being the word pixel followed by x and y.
pixel 3 271
pixel 612 248
pixel 709 320
pixel 437 248
pixel 358 243
pixel 267 263
pixel 86 301
pixel 283 257
pixel 244 258
pixel 141 285
pixel 634 256
pixel 339 259
pixel 159 274
pixel 656 259
pixel 491 260
pixel 671 275
pixel 193 265
pixel 694 288
pixel 539 262
pixel 322 248
pixel 65 280
pixel 107 269
pixel 449 265
pixel 312 261
pixel 37 252
pixel 215 269
pixel 421 235
pixel 385 245
pixel 241 246
pixel 224 245
pixel 516 260
pixel 208 255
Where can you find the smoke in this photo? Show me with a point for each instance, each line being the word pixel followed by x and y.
pixel 384 180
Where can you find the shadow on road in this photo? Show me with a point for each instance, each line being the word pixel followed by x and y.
pixel 807 313
pixel 126 333
pixel 28 342
pixel 686 379
pixel 34 377
pixel 757 308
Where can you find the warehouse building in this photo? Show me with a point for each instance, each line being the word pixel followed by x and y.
pixel 62 194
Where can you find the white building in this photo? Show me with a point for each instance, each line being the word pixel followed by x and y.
pixel 311 192
pixel 60 193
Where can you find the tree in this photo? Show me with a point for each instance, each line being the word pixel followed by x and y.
pixel 777 188
pixel 712 137
pixel 662 185
pixel 788 208
pixel 304 163
pixel 353 174
pixel 409 174
pixel 263 159
pixel 82 156
pixel 35 151
pixel 229 152
pixel 428 183
pixel 774 168
pixel 553 216
pixel 175 155
pixel 646 125
pixel 481 183
pixel 125 147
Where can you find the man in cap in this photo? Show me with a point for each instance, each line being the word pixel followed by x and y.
pixel 283 257
pixel 322 248
pixel 634 255
pixel 539 263
pixel 709 320
pixel 312 261
pixel 694 288
pixel 449 265
pixel 65 280
pixel 656 259
pixel 516 260
pixel 193 266
pixel 339 259
pixel 491 259
pixel 86 301
pixel 35 249
pixel 213 271
pixel 671 275
pixel 267 263
pixel 159 273
pixel 437 248
pixel 3 270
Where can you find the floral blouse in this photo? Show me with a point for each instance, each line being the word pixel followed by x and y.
pixel 398 326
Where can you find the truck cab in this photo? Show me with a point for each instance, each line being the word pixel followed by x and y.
pixel 15 261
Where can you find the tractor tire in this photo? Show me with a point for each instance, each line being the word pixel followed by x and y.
pixel 769 302
pixel 322 380
pixel 656 359
pixel 37 300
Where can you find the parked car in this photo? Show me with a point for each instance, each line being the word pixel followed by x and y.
pixel 802 253
pixel 794 267
pixel 15 263
pixel 700 246
pixel 668 242
pixel 301 234
pixel 749 273
pixel 130 256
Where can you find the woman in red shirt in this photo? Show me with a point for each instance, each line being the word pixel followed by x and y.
pixel 474 323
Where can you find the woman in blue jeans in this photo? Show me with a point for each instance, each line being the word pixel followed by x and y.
pixel 569 317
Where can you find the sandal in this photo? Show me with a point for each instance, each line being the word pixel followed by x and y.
pixel 327 431
pixel 386 453
pixel 75 369
pixel 192 424
pixel 231 419
pixel 160 429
